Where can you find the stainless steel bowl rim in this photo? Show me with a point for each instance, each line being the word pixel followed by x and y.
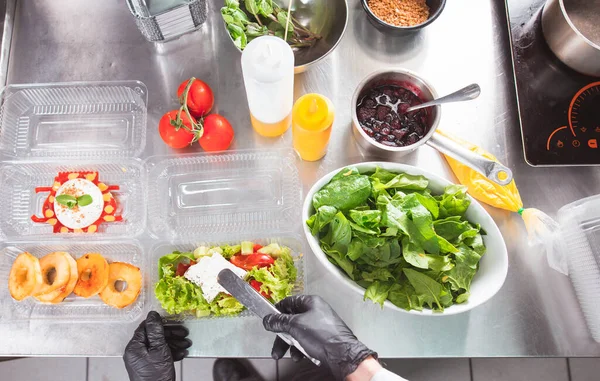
pixel 356 123
pixel 429 20
pixel 574 28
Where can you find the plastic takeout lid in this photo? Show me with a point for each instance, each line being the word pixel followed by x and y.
pixel 252 191
pixel 75 120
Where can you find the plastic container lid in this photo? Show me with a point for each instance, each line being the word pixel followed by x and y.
pixel 252 192
pixel 76 120
pixel 268 69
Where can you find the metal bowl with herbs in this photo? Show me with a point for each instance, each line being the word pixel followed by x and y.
pixel 314 28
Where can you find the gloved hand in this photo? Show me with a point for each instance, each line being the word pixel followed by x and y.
pixel 320 331
pixel 151 353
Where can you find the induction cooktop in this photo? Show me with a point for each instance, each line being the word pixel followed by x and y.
pixel 559 108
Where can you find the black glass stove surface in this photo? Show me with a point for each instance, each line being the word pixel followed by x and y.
pixel 559 108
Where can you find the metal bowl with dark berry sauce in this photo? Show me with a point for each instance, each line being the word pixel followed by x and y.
pixel 379 115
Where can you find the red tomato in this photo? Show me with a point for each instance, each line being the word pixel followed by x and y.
pixel 256 285
pixel 256 247
pixel 218 133
pixel 248 262
pixel 173 129
pixel 200 98
pixel 182 268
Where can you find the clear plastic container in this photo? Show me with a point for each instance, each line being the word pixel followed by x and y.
pixel 73 309
pixel 231 238
pixel 77 120
pixel 578 243
pixel 19 201
pixel 161 20
pixel 248 191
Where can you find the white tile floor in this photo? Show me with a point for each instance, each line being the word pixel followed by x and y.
pixel 112 369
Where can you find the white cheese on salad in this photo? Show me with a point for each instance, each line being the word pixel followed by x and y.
pixel 205 272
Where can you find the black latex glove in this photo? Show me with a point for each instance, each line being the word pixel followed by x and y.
pixel 153 349
pixel 320 331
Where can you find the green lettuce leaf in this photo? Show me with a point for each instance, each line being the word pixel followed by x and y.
pixel 225 305
pixel 171 260
pixel 230 251
pixel 177 295
pixel 278 279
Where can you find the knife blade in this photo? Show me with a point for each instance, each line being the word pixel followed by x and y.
pixel 255 302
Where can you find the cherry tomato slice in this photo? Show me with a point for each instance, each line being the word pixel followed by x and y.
pixel 183 267
pixel 257 285
pixel 257 247
pixel 248 262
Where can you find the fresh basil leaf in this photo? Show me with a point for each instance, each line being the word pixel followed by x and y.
pixel 428 290
pixel 255 30
pixel 66 200
pixel 378 292
pixel 344 193
pixel 232 3
pixel 251 6
pixel 282 19
pixel 265 7
pixel 84 200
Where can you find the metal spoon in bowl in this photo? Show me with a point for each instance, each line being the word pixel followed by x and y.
pixel 465 94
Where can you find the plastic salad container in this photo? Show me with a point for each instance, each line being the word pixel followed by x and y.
pixel 19 200
pixel 224 199
pixel 575 250
pixel 73 308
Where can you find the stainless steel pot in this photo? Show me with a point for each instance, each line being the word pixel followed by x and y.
pixel 490 169
pixel 571 29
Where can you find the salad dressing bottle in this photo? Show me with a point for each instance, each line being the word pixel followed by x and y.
pixel 268 70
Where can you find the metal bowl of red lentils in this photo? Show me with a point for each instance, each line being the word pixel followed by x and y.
pixel 402 16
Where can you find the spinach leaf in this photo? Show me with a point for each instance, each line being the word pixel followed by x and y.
pixel 462 274
pixel 378 292
pixel 381 274
pixel 476 243
pixel 402 181
pixel 344 193
pixel 251 6
pixel 382 175
pixel 369 219
pixel 350 171
pixel 340 233
pixel 318 221
pixel 404 296
pixel 454 201
pixel 382 256
pixel 428 290
pixel 416 256
pixel 339 260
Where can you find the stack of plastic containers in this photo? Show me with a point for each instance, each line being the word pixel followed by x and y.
pixel 49 128
pixel 190 200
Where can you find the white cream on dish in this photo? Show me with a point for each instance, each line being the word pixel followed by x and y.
pixel 79 217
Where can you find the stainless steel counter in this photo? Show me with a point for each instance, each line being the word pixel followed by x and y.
pixel 535 313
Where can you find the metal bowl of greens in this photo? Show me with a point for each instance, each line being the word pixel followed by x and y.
pixel 315 26
pixel 405 238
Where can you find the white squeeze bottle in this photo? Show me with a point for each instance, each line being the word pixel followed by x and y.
pixel 268 69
